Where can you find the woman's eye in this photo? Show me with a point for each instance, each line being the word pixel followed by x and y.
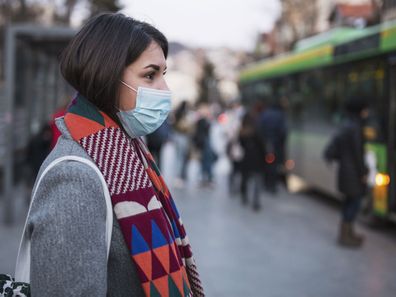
pixel 150 76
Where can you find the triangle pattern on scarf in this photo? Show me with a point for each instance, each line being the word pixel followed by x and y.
pixel 144 264
pixel 178 280
pixel 173 289
pixel 173 262
pixel 186 289
pixel 139 245
pixel 87 110
pixel 158 238
pixel 81 127
pixel 153 291
pixel 171 240
pixel 185 275
pixel 157 268
pixel 142 275
pixel 177 251
pixel 162 254
pixel 162 285
pixel 175 231
pixel 146 288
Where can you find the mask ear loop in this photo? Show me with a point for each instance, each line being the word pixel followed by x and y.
pixel 128 86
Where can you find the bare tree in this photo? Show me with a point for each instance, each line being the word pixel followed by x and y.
pixel 18 11
pixel 98 6
pixel 300 17
pixel 69 5
pixel 64 13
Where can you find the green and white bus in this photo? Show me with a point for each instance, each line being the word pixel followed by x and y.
pixel 316 77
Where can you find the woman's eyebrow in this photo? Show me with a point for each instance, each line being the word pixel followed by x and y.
pixel 155 67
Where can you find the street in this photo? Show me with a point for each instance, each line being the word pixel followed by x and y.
pixel 288 248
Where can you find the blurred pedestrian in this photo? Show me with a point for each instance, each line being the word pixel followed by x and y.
pixel 234 149
pixel 347 149
pixel 117 64
pixel 203 144
pixel 252 162
pixel 157 139
pixel 38 148
pixel 182 128
pixel 273 130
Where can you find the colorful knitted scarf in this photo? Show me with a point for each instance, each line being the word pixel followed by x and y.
pixel 145 210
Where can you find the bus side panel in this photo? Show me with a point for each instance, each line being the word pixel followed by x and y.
pixel 307 152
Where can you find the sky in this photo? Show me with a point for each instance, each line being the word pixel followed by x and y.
pixel 207 23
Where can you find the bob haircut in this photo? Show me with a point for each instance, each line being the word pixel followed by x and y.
pixel 96 57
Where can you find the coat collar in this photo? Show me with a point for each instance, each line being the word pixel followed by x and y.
pixel 60 124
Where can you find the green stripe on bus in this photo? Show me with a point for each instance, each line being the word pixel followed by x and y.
pixel 320 54
pixel 388 37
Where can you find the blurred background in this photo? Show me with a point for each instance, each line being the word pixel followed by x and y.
pixel 259 88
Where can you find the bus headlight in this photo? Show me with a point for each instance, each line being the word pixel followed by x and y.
pixel 382 179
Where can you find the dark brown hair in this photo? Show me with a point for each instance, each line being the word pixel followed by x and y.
pixel 94 60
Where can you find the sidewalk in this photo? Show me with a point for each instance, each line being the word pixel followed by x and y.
pixel 10 235
pixel 287 249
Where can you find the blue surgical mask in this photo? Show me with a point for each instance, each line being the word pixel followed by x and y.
pixel 152 109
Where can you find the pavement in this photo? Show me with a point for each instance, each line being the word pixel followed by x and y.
pixel 10 234
pixel 288 248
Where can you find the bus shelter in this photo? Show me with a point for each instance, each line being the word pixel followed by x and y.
pixel 33 90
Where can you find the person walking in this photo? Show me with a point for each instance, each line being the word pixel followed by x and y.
pixel 347 149
pixel 156 141
pixel 182 128
pixel 117 65
pixel 234 149
pixel 202 141
pixel 252 165
pixel 273 129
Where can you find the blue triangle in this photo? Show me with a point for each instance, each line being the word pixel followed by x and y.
pixel 170 238
pixel 174 208
pixel 158 238
pixel 139 245
pixel 175 231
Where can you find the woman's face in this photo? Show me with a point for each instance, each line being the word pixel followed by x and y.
pixel 147 71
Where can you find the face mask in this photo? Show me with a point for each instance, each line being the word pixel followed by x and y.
pixel 152 109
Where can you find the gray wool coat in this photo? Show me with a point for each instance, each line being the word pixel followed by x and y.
pixel 66 226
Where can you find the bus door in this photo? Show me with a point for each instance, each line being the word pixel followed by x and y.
pixel 384 152
pixel 392 136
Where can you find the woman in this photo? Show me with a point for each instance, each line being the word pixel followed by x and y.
pixel 347 149
pixel 117 65
pixel 182 128
pixel 252 164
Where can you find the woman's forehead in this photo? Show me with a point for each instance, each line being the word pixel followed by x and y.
pixel 152 55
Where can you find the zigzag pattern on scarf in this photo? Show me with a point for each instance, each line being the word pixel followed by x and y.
pixel 195 281
pixel 123 171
